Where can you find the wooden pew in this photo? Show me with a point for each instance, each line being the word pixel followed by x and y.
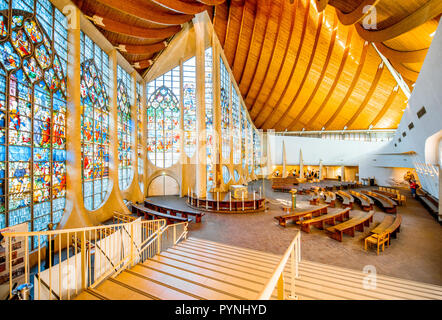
pixel 330 198
pixel 365 202
pixel 350 226
pixel 390 224
pixel 297 215
pixel 388 220
pixel 347 199
pixel 387 204
pixel 314 197
pixel 162 208
pixel 141 210
pixel 429 202
pixel 329 218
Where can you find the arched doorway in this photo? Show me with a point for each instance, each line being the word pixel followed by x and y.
pixel 163 185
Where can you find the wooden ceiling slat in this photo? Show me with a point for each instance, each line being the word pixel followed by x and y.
pixel 219 21
pixel 298 52
pixel 256 43
pixel 139 9
pixel 321 77
pixel 275 41
pixel 367 98
pixel 306 73
pixel 405 72
pixel 393 95
pixel 131 31
pixel 335 82
pixel 428 11
pixel 142 49
pixel 357 14
pixel 232 32
pixel 182 7
pixel 402 56
pixel 211 2
pixel 352 86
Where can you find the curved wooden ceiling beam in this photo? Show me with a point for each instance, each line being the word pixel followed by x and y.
pixel 321 77
pixel 367 98
pixel 287 46
pixel 298 53
pixel 275 41
pixel 402 56
pixel 139 10
pixel 308 125
pixel 266 9
pixel 428 11
pixel 211 2
pixel 235 66
pixel 352 85
pixel 386 106
pixel 321 5
pixel 229 46
pixel 142 49
pixel 307 70
pixel 227 28
pixel 131 31
pixel 181 6
pixel 405 72
pixel 358 14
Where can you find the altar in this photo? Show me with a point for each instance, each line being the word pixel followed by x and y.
pixel 238 191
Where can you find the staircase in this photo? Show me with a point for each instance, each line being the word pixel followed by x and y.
pixel 202 269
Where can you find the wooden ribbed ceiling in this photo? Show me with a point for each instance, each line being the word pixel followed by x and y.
pixel 300 64
pixel 310 65
pixel 140 29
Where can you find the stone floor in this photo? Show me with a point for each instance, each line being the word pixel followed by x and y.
pixel 415 255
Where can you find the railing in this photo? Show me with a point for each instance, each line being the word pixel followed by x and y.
pixel 76 259
pixel 277 279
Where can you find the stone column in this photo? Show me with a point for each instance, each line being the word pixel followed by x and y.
pixel 217 111
pixel 342 173
pixel 200 152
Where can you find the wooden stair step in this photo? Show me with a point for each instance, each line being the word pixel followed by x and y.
pixel 151 287
pixel 115 290
pixel 181 284
pixel 238 290
pixel 86 295
pixel 214 261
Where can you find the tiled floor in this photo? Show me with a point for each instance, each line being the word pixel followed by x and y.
pixel 415 255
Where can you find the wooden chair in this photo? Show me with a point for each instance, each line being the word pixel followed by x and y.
pixel 378 240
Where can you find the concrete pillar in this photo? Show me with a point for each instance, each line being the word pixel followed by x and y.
pixel 320 169
pixel 301 165
pixel 200 152
pixel 342 173
pixel 217 110
pixel 284 161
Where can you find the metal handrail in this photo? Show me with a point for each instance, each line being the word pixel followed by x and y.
pixel 277 279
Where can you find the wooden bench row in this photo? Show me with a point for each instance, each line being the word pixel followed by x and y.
pixel 165 209
pixel 149 213
pixel 329 218
pixel 330 198
pixel 429 202
pixel 298 214
pixel 350 226
pixel 384 202
pixel 365 202
pixel 382 234
pixel 346 199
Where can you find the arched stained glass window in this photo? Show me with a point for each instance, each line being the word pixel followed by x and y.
pixel 236 143
pixel 210 152
pixel 189 106
pixel 225 114
pixel 163 119
pixel 139 103
pixel 94 123
pixel 226 174
pixel 32 115
pixel 249 147
pixel 125 124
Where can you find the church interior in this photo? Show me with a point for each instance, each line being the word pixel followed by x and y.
pixel 220 150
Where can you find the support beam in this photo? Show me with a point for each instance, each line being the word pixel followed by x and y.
pixel 181 6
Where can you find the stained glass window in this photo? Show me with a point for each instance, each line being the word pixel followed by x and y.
pixel 163 119
pixel 124 131
pixel 32 114
pixel 226 174
pixel 225 114
pixel 236 175
pixel 243 135
pixel 210 152
pixel 189 106
pixel 94 123
pixel 249 147
pixel 139 103
pixel 236 134
pixel 257 151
